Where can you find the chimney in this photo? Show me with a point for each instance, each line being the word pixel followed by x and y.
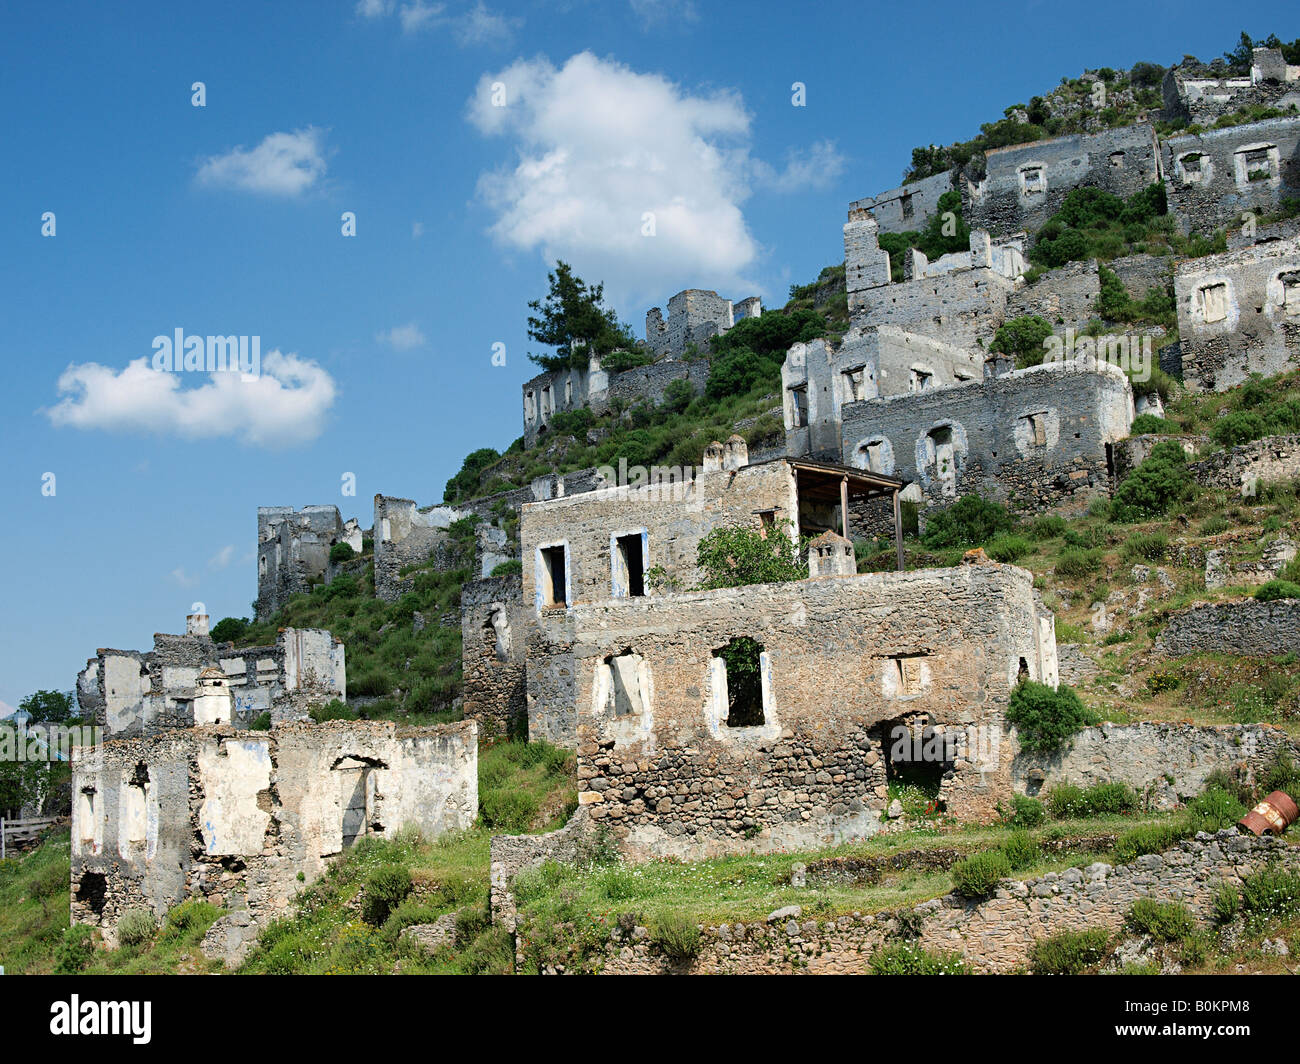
pixel 830 554
pixel 735 452
pixel 713 457
pixel 196 623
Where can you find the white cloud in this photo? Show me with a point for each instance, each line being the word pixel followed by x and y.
pixel 222 558
pixel 656 12
pixel 284 164
pixel 475 25
pixel 815 168
pixel 181 577
pixel 417 230
pixel 402 337
pixel 599 146
pixel 285 405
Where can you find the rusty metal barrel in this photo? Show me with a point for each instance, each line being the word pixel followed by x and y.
pixel 1275 813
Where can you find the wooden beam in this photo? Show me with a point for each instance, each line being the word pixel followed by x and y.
pixel 844 505
pixel 898 531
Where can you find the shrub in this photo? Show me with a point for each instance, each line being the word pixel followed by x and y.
pixel 332 710
pixel 136 927
pixel 1025 812
pixel 1165 921
pixel 908 959
pixel 1226 904
pixel 1150 423
pixel 677 936
pixel 190 918
pixel 385 889
pixel 510 811
pixel 341 552
pixel 511 568
pixel 1277 589
pixel 1269 894
pixel 229 629
pixel 1074 564
pixel 1065 801
pixel 1151 547
pixel 1214 809
pixel 734 556
pixel 1021 851
pixel 1152 838
pixel 1069 953
pixel 1046 717
pixel 1048 527
pixel 1009 549
pixel 1153 486
pixel 262 722
pixel 1022 338
pixel 971 520
pixel 75 950
pixel 978 876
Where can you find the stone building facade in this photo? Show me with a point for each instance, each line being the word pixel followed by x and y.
pixel 1032 438
pixel 1216 177
pixel 494 632
pixel 1247 627
pixel 293 550
pixel 819 377
pixel 688 750
pixel 1025 184
pixel 235 817
pixel 1238 314
pixel 1195 95
pixel 909 207
pixel 132 692
pixel 695 315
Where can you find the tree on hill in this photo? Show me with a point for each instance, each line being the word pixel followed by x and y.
pixel 574 311
pixel 49 707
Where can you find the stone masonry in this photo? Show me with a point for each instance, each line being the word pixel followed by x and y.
pixel 293 550
pixel 694 316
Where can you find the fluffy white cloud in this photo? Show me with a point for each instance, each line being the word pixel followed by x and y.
pixel 604 155
pixel 286 404
pixel 402 337
pixel 223 557
pixel 284 164
pixel 472 26
pixel 815 168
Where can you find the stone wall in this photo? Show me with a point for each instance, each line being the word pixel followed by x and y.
pixel 818 378
pixel 1248 627
pixel 1194 95
pixel 512 854
pixel 695 315
pixel 132 692
pixel 909 207
pixel 1241 470
pixel 843 661
pixel 234 817
pixel 1032 439
pixel 1238 314
pixel 406 535
pixel 1067 295
pixel 293 551
pixel 992 936
pixel 1025 184
pixel 1209 180
pixel 1132 451
pixel 494 634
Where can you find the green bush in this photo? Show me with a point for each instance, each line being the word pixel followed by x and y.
pixel 75 950
pixel 969 522
pixel 1153 486
pixel 385 889
pixel 1008 549
pixel 737 555
pixel 136 927
pixel 332 710
pixel 978 876
pixel 1226 903
pixel 1150 547
pixel 1065 801
pixel 1149 423
pixel 1214 809
pixel 1025 812
pixel 1277 589
pixel 1272 893
pixel 1074 564
pixel 1048 527
pixel 1046 717
pixel 341 552
pixel 1151 838
pixel 1021 851
pixel 1103 798
pixel 1023 338
pixel 262 722
pixel 229 629
pixel 676 936
pixel 908 959
pixel 508 811
pixel 1069 953
pixel 1165 921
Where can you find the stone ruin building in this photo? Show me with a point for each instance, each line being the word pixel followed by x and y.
pixel 1197 95
pixel 1032 439
pixel 132 692
pixel 293 550
pixel 1025 184
pixel 694 317
pixel 1238 314
pixel 1218 177
pixel 909 207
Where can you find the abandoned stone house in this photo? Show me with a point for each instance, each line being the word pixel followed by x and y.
pixel 185 680
pixel 959 299
pixel 1195 95
pixel 1025 184
pixel 819 377
pixel 1238 314
pixel 694 316
pixel 1031 439
pixel 768 717
pixel 293 550
pixel 909 207
pixel 1217 177
pixel 246 819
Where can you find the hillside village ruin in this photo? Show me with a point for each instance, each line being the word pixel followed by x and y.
pixel 599 640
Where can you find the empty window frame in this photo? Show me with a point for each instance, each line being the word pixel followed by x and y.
pixel 1213 299
pixel 628 565
pixel 921 380
pixel 855 383
pixel 553 575
pixel 1290 291
pixel 742 674
pixel 1036 428
pixel 1033 180
pixel 799 407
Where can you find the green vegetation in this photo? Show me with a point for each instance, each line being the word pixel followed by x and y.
pixel 906 958
pixel 978 876
pixel 941 235
pixel 1154 486
pixel 970 521
pixel 1069 953
pixel 1045 717
pixel 735 555
pixel 572 315
pixel 1022 338
pixel 229 629
pixel 1277 589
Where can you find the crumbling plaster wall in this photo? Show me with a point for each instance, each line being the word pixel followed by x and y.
pixel 909 207
pixel 293 549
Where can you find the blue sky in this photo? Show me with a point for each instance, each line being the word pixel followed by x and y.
pixel 226 219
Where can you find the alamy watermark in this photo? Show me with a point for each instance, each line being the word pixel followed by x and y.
pixel 48 742
pixel 1132 354
pixel 656 483
pixel 180 353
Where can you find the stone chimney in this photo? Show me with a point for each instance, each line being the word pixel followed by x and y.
pixel 830 554
pixel 213 703
pixel 735 452
pixel 196 623
pixel 998 365
pixel 713 457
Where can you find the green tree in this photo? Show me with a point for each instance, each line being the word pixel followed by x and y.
pixel 1154 486
pixel 736 555
pixel 232 629
pixel 1022 338
pixel 573 311
pixel 465 483
pixel 48 707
